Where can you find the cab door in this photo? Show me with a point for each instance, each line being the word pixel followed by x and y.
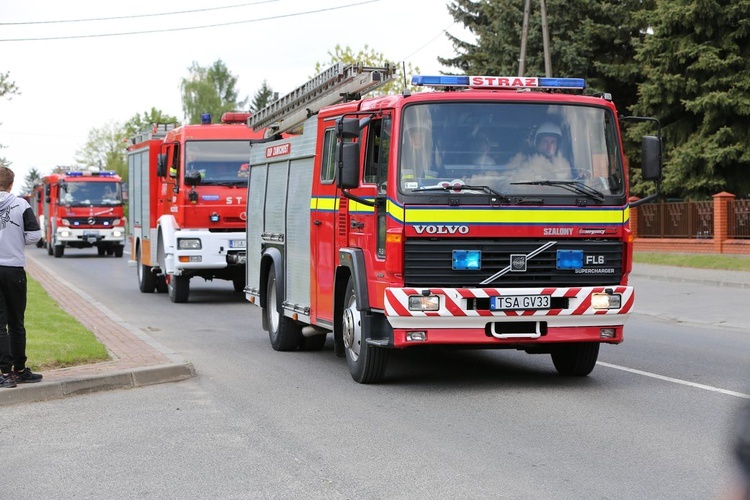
pixel 367 222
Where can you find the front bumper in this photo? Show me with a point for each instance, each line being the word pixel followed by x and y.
pixel 464 316
pixel 90 236
pixel 217 250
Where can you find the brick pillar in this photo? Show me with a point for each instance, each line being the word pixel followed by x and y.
pixel 721 219
pixel 634 218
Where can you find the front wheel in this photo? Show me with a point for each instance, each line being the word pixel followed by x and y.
pixel 283 333
pixel 118 250
pixel 59 251
pixel 178 288
pixel 366 362
pixel 575 360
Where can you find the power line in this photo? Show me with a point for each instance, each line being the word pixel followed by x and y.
pixel 166 30
pixel 137 16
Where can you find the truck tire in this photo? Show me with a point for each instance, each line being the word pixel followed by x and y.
pixel 59 251
pixel 146 278
pixel 178 288
pixel 312 343
pixel 100 250
pixel 238 284
pixel 283 333
pixel 161 284
pixel 119 250
pixel 49 249
pixel 575 360
pixel 366 362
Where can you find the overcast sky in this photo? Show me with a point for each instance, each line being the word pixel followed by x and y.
pixel 71 85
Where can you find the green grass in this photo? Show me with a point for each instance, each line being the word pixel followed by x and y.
pixel 701 261
pixel 55 339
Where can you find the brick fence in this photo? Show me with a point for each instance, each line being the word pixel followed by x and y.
pixel 722 237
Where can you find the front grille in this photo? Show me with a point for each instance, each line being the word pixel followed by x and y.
pixel 87 222
pixel 429 263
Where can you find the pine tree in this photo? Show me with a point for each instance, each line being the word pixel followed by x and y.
pixel 591 39
pixel 698 84
pixel 262 98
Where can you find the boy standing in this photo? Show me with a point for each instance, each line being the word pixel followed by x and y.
pixel 18 227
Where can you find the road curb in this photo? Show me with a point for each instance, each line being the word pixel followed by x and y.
pixel 74 386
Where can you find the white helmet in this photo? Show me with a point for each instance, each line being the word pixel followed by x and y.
pixel 548 128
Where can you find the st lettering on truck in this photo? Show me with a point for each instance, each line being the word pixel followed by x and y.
pixel 187 204
pixel 83 209
pixel 443 218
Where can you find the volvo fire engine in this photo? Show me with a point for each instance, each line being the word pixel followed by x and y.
pixel 187 189
pixel 442 218
pixel 83 209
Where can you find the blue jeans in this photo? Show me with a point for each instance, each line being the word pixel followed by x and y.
pixel 12 311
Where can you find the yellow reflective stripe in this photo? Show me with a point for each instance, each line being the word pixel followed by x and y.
pixel 465 215
pixel 394 210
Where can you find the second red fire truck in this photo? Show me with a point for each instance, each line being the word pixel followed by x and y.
pixel 187 189
pixel 490 213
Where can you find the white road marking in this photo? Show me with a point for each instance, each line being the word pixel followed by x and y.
pixel 676 380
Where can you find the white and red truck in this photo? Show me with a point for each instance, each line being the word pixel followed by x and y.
pixel 83 209
pixel 187 188
pixel 441 218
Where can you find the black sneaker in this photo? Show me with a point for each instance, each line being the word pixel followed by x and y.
pixel 25 376
pixel 7 381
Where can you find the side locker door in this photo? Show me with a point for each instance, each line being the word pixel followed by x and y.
pixel 324 212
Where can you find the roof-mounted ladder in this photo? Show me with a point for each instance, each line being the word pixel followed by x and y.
pixel 155 131
pixel 338 83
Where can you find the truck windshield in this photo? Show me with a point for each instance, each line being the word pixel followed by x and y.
pixel 88 193
pixel 218 162
pixel 519 149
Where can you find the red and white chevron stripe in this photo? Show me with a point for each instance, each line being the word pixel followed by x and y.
pixel 453 304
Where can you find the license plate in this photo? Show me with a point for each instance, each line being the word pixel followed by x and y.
pixel 520 302
pixel 90 234
pixel 237 244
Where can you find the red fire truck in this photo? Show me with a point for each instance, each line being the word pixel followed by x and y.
pixel 443 218
pixel 187 188
pixel 83 209
pixel 36 200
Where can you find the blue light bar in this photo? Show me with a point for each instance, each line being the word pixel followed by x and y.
pixel 467 260
pixel 440 81
pixel 570 259
pixel 498 82
pixel 206 119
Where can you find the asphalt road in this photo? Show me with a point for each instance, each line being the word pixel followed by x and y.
pixel 654 419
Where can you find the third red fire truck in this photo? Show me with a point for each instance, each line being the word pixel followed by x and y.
pixel 83 209
pixel 187 188
pixel 490 213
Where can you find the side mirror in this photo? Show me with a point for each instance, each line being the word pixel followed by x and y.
pixel 347 128
pixel 651 158
pixel 161 165
pixel 192 178
pixel 348 174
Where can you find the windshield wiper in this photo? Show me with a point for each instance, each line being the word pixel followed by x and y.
pixel 573 186
pixel 463 187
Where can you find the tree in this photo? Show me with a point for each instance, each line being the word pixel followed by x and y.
pixel 369 57
pixel 209 90
pixel 263 97
pixel 588 38
pixel 140 122
pixel 104 149
pixel 8 89
pixel 698 84
pixel 32 178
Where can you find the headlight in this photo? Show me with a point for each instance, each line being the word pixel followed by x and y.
pixel 424 303
pixel 606 301
pixel 189 244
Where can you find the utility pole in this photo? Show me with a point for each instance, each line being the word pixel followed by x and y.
pixel 545 38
